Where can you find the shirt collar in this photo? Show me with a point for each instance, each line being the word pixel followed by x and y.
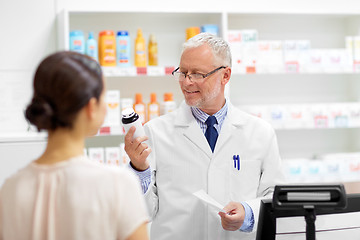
pixel 202 116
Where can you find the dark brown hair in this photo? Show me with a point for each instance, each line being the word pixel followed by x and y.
pixel 64 83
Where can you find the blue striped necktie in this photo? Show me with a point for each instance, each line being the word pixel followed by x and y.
pixel 211 133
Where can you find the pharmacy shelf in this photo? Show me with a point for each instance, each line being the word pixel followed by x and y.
pixel 169 36
pixel 276 127
pixel 110 140
pixel 137 71
pixel 159 71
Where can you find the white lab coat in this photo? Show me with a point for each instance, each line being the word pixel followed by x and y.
pixel 182 163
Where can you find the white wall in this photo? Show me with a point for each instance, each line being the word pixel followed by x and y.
pixel 17 155
pixel 28 34
pixel 257 6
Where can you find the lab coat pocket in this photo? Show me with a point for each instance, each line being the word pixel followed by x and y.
pixel 244 179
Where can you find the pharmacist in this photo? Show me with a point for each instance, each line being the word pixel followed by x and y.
pixel 206 144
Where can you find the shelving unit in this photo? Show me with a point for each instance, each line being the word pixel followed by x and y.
pixel 323 30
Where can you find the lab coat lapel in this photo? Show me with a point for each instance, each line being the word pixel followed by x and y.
pixel 231 123
pixel 192 129
pixel 196 136
pixel 226 132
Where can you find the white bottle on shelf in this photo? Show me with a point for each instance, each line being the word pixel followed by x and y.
pixel 169 104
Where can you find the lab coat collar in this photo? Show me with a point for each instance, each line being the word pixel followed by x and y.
pixel 236 116
pixel 185 119
pixel 184 115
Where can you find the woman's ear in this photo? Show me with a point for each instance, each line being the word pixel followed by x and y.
pixel 91 108
pixel 226 76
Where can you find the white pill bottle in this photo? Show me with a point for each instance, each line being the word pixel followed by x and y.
pixel 131 118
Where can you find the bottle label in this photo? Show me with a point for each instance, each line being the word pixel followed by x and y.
pixel 92 51
pixel 140 109
pixel 123 51
pixel 109 54
pixel 122 42
pixel 77 46
pixel 154 111
pixel 154 108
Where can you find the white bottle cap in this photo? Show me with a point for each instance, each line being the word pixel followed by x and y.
pixel 128 113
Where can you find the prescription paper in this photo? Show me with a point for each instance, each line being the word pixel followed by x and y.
pixel 203 196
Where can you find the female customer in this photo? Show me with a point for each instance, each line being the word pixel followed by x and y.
pixel 62 194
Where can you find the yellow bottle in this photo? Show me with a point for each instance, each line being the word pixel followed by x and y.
pixel 153 107
pixel 153 51
pixel 140 50
pixel 192 31
pixel 107 48
pixel 139 107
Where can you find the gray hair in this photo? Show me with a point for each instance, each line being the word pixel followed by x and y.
pixel 219 47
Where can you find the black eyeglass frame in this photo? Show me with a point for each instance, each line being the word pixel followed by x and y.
pixel 203 75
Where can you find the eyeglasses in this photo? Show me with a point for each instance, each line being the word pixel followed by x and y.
pixel 194 77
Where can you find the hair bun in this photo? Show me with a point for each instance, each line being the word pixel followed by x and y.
pixel 40 114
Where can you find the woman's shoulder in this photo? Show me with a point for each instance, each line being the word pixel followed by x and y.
pixel 98 168
pixel 20 176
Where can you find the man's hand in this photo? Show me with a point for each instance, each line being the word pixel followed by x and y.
pixel 137 150
pixel 234 217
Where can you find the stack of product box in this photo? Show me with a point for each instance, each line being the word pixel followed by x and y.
pixel 251 55
pixel 303 116
pixel 339 167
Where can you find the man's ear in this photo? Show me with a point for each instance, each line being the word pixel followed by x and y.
pixel 227 75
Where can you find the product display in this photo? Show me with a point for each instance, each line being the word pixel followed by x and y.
pixel 115 106
pixel 249 54
pixel 262 47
